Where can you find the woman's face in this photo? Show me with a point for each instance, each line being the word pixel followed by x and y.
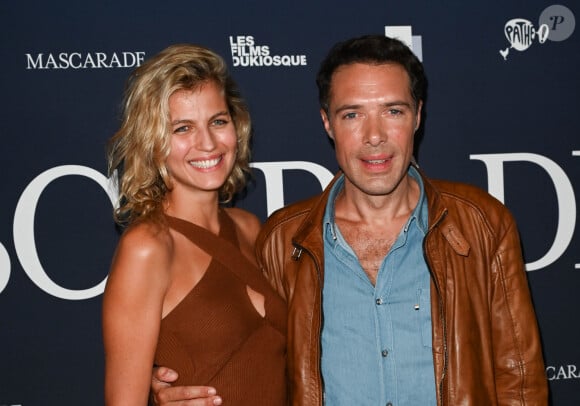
pixel 203 139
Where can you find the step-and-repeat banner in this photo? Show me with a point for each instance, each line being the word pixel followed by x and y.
pixel 502 113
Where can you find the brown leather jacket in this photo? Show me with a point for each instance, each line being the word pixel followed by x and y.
pixel 486 345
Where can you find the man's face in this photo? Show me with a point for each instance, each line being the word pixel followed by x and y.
pixel 372 119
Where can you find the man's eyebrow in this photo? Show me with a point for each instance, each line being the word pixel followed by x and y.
pixel 346 107
pixel 397 103
pixel 386 104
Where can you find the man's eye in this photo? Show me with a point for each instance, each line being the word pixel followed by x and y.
pixel 349 116
pixel 395 112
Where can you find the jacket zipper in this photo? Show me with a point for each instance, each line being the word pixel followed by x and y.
pixel 296 256
pixel 440 302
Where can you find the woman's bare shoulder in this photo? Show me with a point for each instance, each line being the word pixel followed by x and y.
pixel 147 236
pixel 140 270
pixel 247 224
pixel 145 246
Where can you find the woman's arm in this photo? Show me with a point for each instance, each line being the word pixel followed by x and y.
pixel 132 308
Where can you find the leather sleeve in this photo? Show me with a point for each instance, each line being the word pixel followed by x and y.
pixel 519 366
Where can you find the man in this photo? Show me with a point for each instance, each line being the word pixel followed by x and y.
pixel 401 290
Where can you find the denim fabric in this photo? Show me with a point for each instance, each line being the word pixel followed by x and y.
pixel 376 340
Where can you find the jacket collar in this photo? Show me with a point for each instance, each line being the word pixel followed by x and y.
pixel 437 210
pixel 438 218
pixel 309 234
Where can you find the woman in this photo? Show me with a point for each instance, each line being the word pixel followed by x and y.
pixel 184 291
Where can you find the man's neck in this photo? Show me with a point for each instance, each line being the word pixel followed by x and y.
pixel 353 205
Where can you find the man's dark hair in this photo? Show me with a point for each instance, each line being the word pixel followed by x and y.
pixel 375 50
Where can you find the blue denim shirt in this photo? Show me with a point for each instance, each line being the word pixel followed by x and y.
pixel 376 340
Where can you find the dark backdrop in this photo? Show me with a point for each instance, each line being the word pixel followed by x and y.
pixel 502 113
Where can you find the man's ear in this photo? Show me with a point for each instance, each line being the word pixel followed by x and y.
pixel 326 122
pixel 418 115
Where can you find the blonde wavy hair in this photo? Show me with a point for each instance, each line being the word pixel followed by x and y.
pixel 138 150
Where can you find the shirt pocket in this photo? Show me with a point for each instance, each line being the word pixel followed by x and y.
pixel 423 311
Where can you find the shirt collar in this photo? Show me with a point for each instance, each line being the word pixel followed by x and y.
pixel 328 219
pixel 419 212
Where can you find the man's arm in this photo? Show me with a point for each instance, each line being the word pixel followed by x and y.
pixel 163 394
pixel 520 373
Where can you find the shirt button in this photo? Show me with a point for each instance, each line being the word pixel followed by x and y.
pixel 384 353
pixel 379 301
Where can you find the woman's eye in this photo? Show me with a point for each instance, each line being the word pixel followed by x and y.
pixel 220 122
pixel 181 129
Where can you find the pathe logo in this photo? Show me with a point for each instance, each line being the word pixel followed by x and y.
pixel 556 23
pixel 246 52
pixel 521 33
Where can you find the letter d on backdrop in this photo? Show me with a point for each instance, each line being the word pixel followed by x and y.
pixel 564 194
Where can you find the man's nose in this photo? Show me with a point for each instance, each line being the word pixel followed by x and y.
pixel 375 132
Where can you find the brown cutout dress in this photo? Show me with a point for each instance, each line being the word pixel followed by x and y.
pixel 215 336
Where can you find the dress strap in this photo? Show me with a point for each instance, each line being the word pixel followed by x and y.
pixel 229 255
